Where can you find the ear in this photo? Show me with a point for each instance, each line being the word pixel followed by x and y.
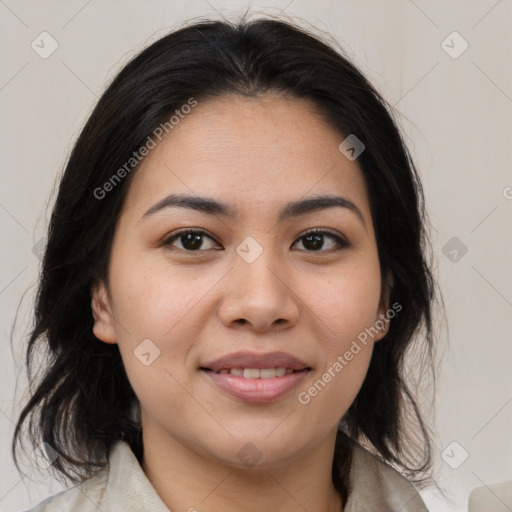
pixel 103 327
pixel 382 319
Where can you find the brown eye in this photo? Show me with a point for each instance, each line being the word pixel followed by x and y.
pixel 193 240
pixel 314 241
pixel 190 240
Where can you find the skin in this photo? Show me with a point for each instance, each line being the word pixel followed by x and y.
pixel 257 154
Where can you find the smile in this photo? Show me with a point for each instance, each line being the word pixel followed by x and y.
pixel 256 385
pixel 256 373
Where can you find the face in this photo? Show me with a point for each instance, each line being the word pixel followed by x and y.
pixel 242 322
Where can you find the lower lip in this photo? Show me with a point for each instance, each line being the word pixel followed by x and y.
pixel 257 390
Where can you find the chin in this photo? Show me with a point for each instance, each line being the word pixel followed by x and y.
pixel 259 451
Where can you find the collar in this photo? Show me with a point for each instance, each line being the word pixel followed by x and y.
pixel 124 487
pixel 377 486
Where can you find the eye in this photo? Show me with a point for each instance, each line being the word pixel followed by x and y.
pixel 191 240
pixel 314 241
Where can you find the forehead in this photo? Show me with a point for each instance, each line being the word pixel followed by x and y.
pixel 252 152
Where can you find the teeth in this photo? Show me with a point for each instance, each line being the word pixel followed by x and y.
pixel 251 373
pixel 257 373
pixel 267 373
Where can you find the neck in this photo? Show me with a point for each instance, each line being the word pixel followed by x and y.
pixel 188 481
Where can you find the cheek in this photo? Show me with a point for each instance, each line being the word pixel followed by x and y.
pixel 166 306
pixel 329 396
pixel 345 308
pixel 147 309
pixel 346 302
pixel 152 340
pixel 152 299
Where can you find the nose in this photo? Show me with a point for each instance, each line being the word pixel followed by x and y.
pixel 258 295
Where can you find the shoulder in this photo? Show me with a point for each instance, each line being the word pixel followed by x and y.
pixel 495 497
pixel 84 497
pixel 120 486
pixel 375 485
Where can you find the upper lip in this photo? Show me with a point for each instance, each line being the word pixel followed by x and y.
pixel 253 360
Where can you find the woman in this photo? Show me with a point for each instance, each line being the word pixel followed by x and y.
pixel 236 267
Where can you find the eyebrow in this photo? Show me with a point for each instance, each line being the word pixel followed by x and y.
pixel 214 207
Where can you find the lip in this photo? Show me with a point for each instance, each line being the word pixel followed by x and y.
pixel 256 390
pixel 254 360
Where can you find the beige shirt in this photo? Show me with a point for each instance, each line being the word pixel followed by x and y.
pixel 122 486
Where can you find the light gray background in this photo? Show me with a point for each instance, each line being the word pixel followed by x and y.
pixel 456 114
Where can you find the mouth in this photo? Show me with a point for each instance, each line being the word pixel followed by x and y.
pixel 256 378
pixel 256 373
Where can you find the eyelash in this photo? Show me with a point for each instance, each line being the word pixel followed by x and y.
pixel 341 243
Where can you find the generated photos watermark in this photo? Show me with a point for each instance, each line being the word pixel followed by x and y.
pixel 304 397
pixel 144 150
